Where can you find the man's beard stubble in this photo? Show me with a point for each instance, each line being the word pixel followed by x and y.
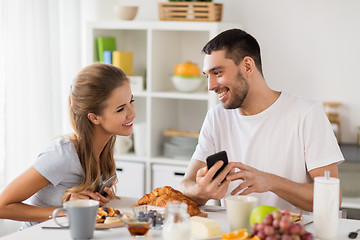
pixel 238 97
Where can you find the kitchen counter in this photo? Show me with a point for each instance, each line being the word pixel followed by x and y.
pixel 351 152
pixel 349 174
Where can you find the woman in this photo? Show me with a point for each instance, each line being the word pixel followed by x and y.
pixel 72 167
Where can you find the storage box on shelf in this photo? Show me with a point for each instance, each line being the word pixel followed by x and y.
pixel 158 46
pixel 190 11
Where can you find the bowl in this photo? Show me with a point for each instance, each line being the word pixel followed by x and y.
pixel 187 84
pixel 126 12
pixel 153 215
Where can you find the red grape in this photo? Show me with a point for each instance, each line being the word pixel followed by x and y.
pixel 269 230
pixel 261 234
pixel 268 219
pixel 295 229
pixel 286 212
pixel 261 226
pixel 286 237
pixel 254 226
pixel 276 223
pixel 270 238
pixel 284 224
pixel 277 214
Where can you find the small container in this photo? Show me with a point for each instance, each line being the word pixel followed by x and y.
pixel 177 222
pixel 137 228
pixel 137 224
pixel 326 206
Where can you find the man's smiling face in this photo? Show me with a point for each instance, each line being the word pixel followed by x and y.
pixel 226 79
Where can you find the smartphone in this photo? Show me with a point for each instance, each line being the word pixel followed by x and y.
pixel 106 183
pixel 212 159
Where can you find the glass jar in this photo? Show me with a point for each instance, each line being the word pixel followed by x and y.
pixel 177 222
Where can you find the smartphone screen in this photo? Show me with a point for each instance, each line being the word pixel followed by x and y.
pixel 212 159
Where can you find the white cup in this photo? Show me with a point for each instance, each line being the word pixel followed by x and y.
pixel 123 144
pixel 82 217
pixel 140 138
pixel 238 209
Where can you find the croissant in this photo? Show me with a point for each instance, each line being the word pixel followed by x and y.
pixel 161 196
pixel 158 192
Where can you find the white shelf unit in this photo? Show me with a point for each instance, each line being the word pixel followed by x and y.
pixel 158 46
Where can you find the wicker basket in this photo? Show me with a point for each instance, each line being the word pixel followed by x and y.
pixel 190 11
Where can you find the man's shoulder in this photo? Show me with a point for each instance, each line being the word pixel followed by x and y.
pixel 298 102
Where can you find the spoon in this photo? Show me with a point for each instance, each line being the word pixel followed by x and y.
pixel 354 235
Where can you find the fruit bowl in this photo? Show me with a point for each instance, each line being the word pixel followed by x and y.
pixel 187 84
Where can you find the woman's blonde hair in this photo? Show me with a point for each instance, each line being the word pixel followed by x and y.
pixel 89 92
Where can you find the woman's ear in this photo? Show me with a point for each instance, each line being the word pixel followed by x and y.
pixel 93 118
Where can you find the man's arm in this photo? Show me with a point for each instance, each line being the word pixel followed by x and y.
pixel 199 185
pixel 298 194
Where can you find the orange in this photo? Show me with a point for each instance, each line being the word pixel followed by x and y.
pixel 241 234
pixel 188 69
pixel 255 238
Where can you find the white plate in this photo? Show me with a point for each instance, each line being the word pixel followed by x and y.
pixel 206 238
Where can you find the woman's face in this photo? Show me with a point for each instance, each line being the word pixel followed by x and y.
pixel 119 113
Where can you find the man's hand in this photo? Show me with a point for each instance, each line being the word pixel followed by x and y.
pixel 253 180
pixel 199 185
pixel 209 188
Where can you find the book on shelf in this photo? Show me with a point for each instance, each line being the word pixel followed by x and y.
pixel 105 44
pixel 107 56
pixel 124 60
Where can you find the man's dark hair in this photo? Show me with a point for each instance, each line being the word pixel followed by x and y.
pixel 237 45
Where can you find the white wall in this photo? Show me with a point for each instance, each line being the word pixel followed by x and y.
pixel 309 47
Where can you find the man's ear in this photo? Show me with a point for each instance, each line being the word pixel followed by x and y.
pixel 249 65
pixel 93 118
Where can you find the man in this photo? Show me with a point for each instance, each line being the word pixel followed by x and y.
pixel 277 143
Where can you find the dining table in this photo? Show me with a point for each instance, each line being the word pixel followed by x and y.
pixel 46 230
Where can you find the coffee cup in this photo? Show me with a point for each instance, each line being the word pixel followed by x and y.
pixel 238 210
pixel 81 215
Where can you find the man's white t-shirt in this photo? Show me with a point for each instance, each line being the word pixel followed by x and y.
pixel 290 138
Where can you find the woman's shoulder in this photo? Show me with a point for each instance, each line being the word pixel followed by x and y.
pixel 61 146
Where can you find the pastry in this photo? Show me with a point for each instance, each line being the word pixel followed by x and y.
pixel 161 196
pixel 104 212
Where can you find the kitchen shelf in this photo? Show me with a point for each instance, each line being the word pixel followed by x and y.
pixel 158 46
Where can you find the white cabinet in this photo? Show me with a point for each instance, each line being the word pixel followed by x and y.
pixel 167 175
pixel 158 46
pixel 131 179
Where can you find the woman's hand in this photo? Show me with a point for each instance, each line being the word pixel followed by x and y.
pixel 105 199
pixel 87 194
